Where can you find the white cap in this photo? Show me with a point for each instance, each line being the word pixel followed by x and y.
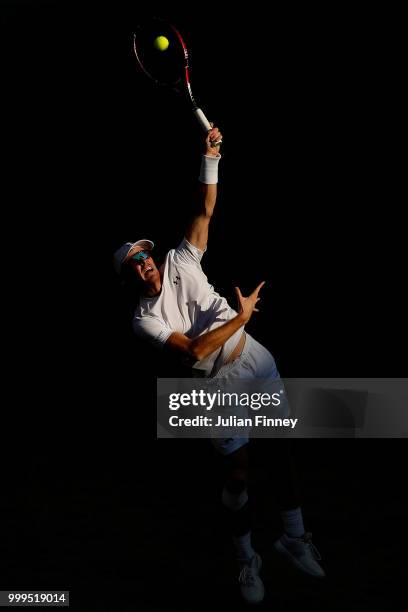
pixel 122 253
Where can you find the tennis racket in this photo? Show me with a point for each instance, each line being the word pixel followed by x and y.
pixel 167 65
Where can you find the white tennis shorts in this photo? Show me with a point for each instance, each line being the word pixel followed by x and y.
pixel 255 361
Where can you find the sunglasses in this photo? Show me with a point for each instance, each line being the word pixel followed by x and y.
pixel 141 256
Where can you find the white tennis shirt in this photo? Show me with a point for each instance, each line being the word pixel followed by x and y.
pixel 187 304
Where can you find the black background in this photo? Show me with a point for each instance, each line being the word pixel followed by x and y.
pixel 308 101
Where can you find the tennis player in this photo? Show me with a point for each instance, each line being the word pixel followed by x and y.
pixel 180 310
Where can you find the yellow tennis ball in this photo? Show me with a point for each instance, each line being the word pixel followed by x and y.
pixel 161 43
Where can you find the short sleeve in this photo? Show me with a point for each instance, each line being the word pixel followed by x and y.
pixel 152 329
pixel 188 254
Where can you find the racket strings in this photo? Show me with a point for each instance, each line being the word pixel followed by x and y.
pixel 167 67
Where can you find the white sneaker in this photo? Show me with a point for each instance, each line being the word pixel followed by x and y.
pixel 252 588
pixel 302 553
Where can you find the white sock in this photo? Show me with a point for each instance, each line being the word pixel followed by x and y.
pixel 293 522
pixel 243 548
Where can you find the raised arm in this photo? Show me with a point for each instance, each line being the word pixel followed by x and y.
pixel 197 232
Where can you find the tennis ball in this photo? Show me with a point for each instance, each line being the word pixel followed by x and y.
pixel 161 43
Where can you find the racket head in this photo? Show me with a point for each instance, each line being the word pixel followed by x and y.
pixel 168 68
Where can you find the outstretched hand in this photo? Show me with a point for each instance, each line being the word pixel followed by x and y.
pixel 247 305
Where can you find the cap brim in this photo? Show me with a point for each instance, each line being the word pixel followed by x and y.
pixel 144 244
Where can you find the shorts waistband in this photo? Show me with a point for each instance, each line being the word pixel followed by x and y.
pixel 228 366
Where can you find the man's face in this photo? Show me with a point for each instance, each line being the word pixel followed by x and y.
pixel 145 269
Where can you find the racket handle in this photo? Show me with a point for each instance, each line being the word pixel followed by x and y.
pixel 202 119
pixel 205 124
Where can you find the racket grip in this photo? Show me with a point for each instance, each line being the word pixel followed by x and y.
pixel 205 124
pixel 202 119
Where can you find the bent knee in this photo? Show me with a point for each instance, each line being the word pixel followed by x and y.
pixel 237 480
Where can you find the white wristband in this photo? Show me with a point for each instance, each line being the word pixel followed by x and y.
pixel 209 169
